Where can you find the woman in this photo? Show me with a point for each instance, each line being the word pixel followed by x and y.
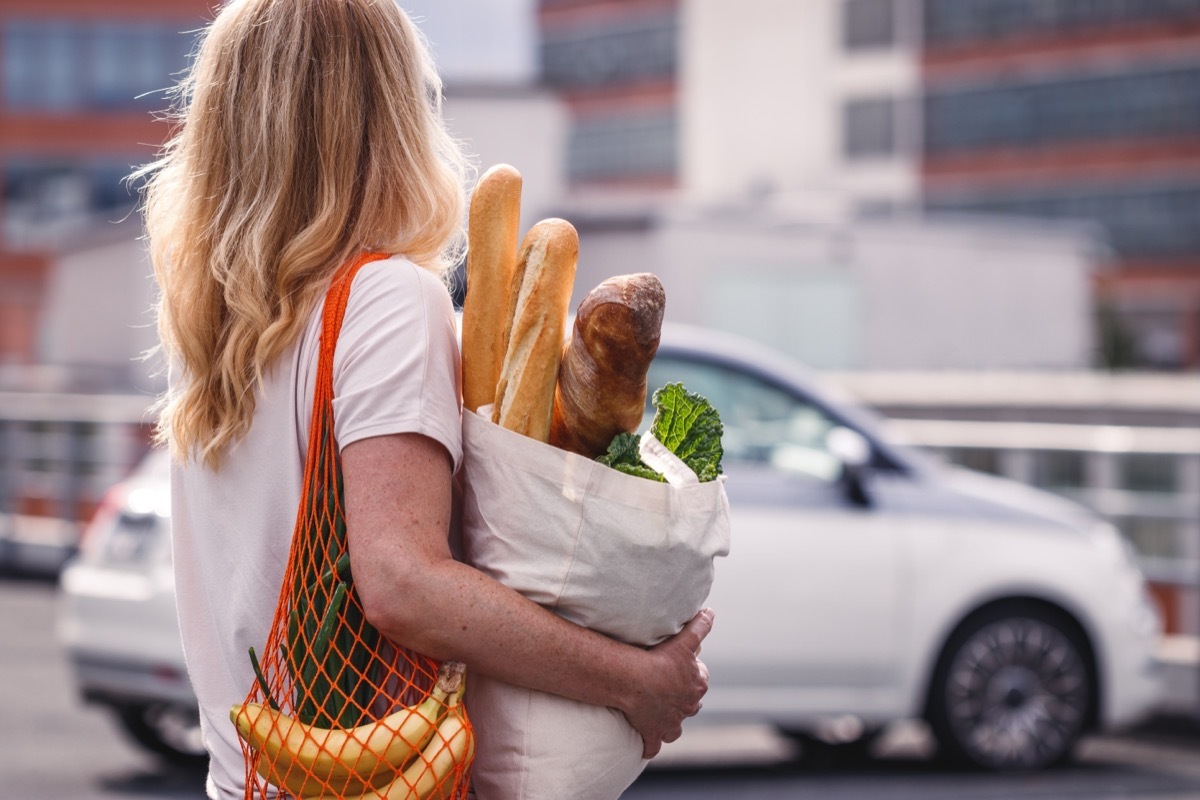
pixel 311 132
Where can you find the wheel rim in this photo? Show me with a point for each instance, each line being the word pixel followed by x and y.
pixel 1017 694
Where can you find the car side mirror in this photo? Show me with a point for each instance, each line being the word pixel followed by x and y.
pixel 853 451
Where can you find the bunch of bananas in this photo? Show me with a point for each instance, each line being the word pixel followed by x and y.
pixel 408 755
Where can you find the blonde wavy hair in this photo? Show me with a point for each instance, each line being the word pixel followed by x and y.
pixel 310 130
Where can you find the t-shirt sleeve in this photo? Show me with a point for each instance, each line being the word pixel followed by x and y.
pixel 396 365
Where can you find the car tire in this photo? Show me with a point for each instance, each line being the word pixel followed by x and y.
pixel 168 730
pixel 1013 690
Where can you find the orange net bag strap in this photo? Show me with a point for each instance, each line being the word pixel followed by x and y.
pixel 337 710
pixel 336 299
pixel 321 488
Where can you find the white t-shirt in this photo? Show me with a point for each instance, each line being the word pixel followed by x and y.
pixel 396 370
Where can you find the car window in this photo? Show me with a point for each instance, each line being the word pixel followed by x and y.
pixel 763 423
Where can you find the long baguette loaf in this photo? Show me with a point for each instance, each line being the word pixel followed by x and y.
pixel 545 277
pixel 602 381
pixel 492 238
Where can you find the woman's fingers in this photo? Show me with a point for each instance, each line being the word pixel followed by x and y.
pixel 695 630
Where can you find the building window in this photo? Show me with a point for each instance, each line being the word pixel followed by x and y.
pixel 45 199
pixel 66 66
pixel 869 127
pixel 1060 469
pixel 1144 221
pixel 868 23
pixel 599 56
pixel 1161 104
pixel 957 21
pixel 1149 472
pixel 623 148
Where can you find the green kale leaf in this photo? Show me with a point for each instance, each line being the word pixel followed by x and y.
pixel 690 428
pixel 623 455
pixel 686 423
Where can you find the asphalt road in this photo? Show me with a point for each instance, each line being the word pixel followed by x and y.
pixel 52 746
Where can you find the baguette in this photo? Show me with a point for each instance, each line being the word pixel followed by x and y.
pixel 545 278
pixel 492 239
pixel 602 381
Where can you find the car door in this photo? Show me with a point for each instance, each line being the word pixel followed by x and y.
pixel 808 600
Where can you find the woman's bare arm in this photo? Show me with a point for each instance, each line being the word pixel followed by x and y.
pixel 398 501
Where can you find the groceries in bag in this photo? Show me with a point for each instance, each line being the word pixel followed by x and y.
pixel 546 513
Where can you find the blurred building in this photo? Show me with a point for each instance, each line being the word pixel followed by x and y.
pixel 77 80
pixel 615 65
pixel 700 98
pixel 1056 108
pixel 80 84
pixel 733 154
pixel 1043 109
pixel 877 294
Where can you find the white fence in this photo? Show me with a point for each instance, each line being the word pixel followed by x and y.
pixel 1146 480
pixel 59 454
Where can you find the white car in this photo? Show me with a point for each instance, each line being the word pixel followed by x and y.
pixel 866 584
pixel 117 619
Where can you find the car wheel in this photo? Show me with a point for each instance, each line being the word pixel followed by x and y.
pixel 171 731
pixel 1013 690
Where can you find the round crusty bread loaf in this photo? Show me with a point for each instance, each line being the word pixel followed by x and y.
pixel 492 239
pixel 545 278
pixel 602 381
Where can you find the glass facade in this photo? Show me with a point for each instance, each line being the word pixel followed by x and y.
pixel 868 23
pixel 623 147
pixel 1144 216
pixel 1060 469
pixel 1150 472
pixel 1143 219
pixel 633 50
pixel 630 142
pixel 66 66
pixel 869 127
pixel 949 22
pixel 1159 104
pixel 46 198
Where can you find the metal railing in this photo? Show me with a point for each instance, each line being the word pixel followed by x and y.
pixel 59 454
pixel 1145 480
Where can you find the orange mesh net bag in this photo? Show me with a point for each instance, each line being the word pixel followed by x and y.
pixel 337 710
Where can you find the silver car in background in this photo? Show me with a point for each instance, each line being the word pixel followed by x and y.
pixel 118 623
pixel 866 584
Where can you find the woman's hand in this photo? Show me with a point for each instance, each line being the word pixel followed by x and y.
pixel 676 682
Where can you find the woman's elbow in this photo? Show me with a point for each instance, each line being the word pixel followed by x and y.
pixel 404 609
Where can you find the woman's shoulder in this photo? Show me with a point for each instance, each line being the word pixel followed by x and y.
pixel 397 274
pixel 396 291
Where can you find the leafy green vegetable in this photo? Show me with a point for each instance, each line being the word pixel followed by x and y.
pixel 690 428
pixel 687 424
pixel 622 455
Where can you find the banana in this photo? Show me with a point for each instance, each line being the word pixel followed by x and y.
pixel 308 761
pixel 430 777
